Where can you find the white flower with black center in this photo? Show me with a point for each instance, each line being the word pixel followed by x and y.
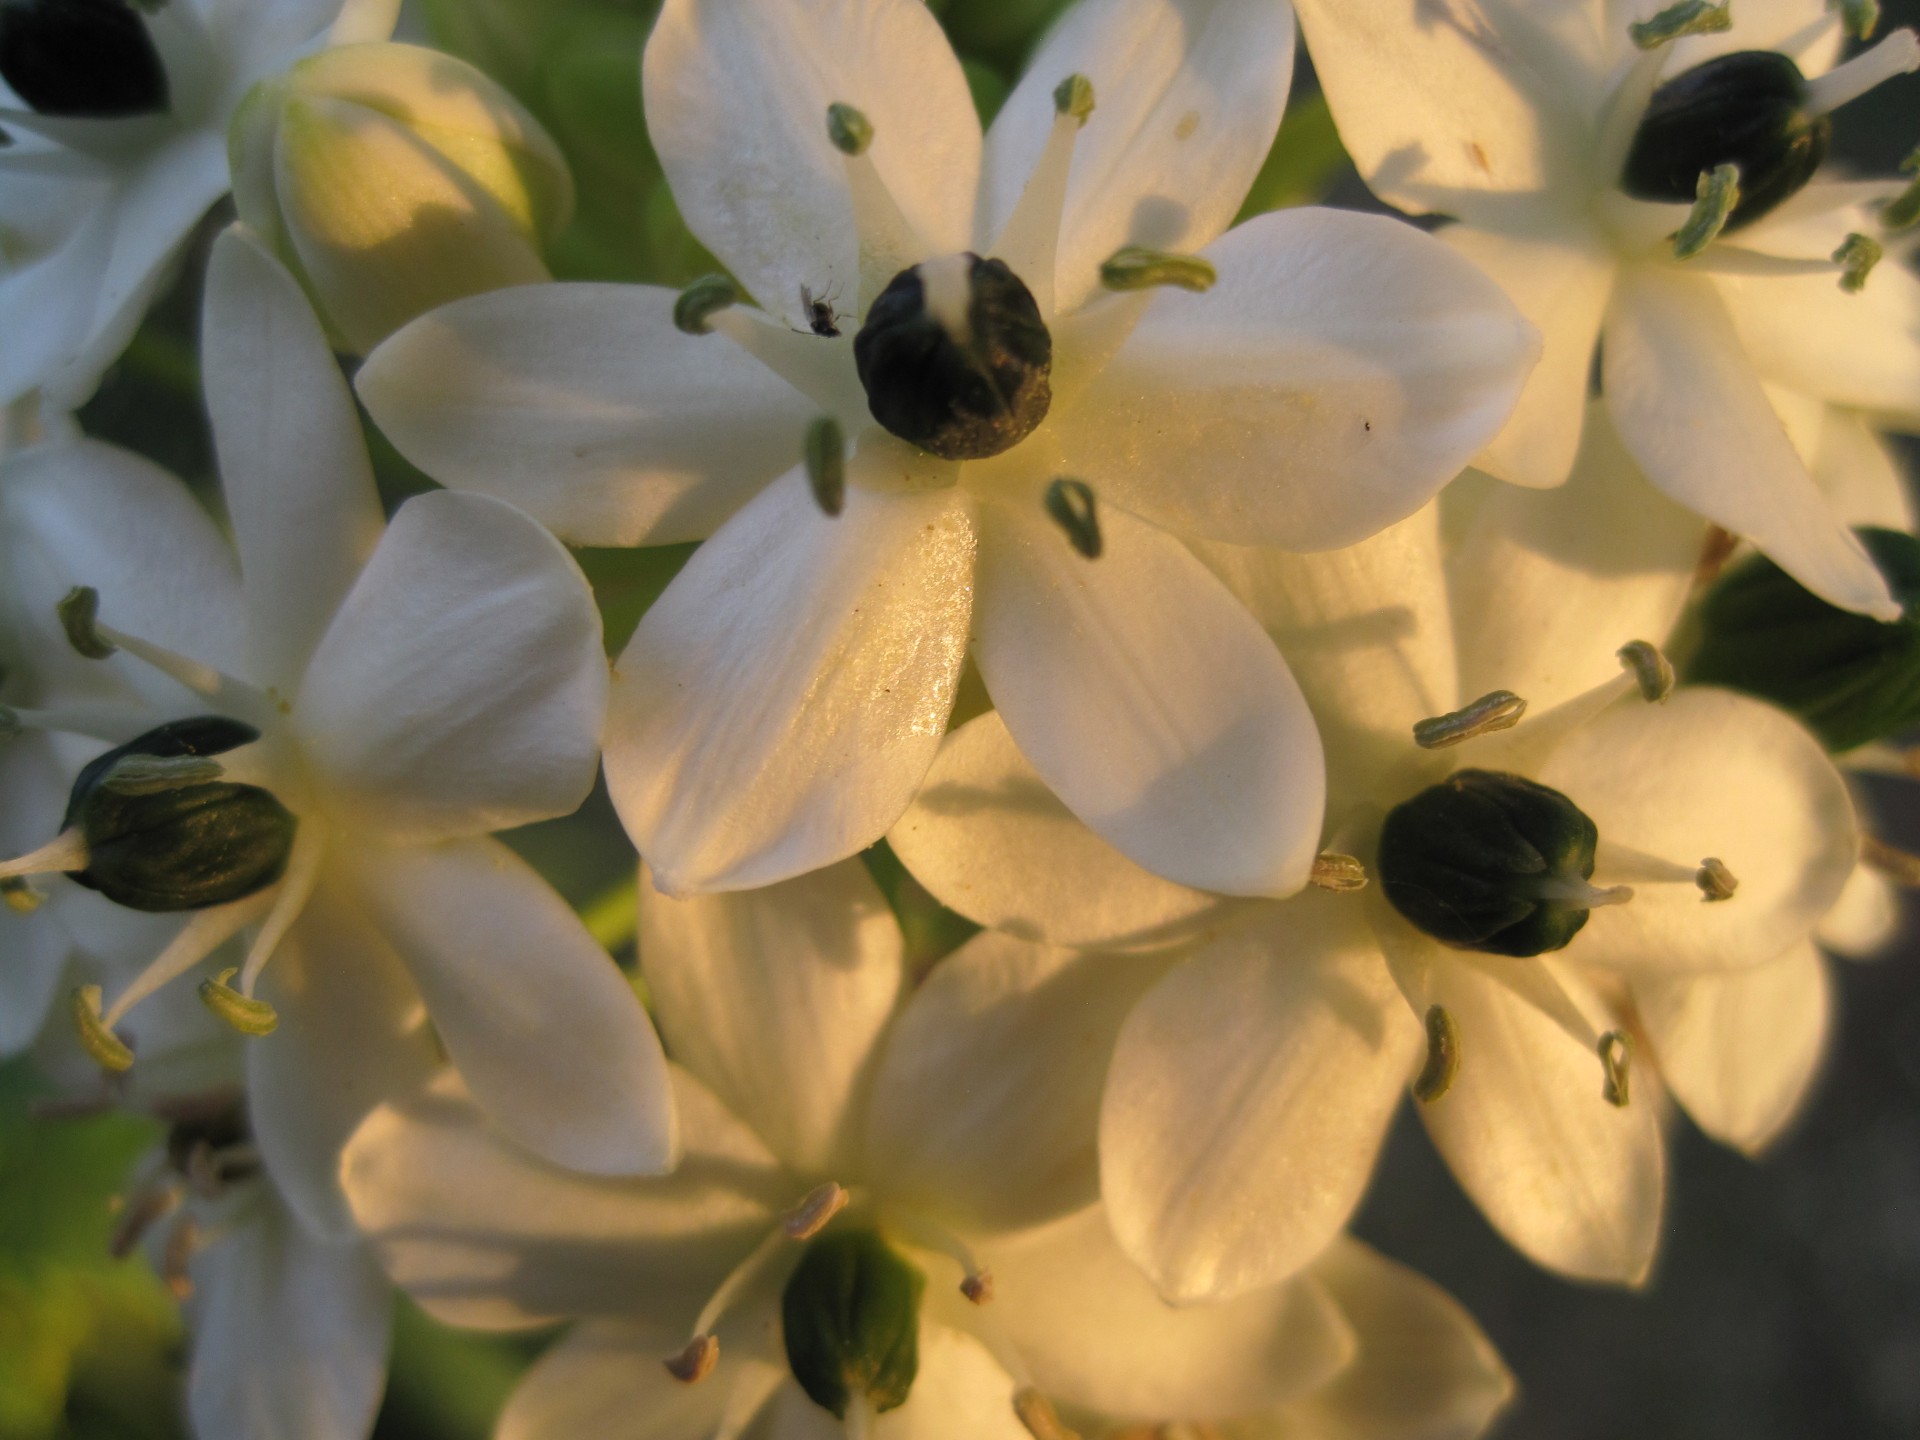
pixel 982 393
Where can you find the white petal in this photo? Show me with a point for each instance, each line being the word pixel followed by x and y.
pixel 1187 98
pixel 736 97
pixel 780 703
pixel 1097 1335
pixel 1248 1096
pixel 1341 371
pixel 1561 285
pixel 1547 586
pixel 987 1103
pixel 1865 919
pixel 1150 702
pixel 777 999
pixel 583 405
pixel 1444 111
pixel 988 839
pixel 1367 630
pixel 605 1379
pixel 1860 476
pixel 289 1334
pixel 1740 1051
pixel 1862 351
pixel 1424 1369
pixel 293 465
pixel 1683 394
pixel 482 1234
pixel 961 1393
pixel 348 1039
pixel 462 686
pixel 1573 1182
pixel 1707 773
pixel 547 1032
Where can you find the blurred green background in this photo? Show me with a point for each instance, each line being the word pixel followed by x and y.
pixel 1788 1301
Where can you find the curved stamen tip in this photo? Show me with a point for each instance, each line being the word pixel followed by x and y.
pixel 1342 874
pixel 1074 96
pixel 108 1050
pixel 1443 1056
pixel 1649 667
pixel 826 459
pixel 79 612
pixel 849 129
pixel 811 1215
pixel 1036 1412
pixel 696 1362
pixel 1071 506
pixel 1715 880
pixel 1616 1063
pixel 1134 267
pixel 1688 17
pixel 244 1013
pixel 1856 257
pixel 1494 711
pixel 1715 200
pixel 978 1287
pixel 702 300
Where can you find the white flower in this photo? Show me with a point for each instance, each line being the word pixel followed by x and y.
pixel 118 130
pixel 1251 1088
pixel 780 703
pixel 826 1102
pixel 413 686
pixel 1518 121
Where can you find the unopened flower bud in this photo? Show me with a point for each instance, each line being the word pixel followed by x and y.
pixel 187 847
pixel 956 358
pixel 1850 678
pixel 392 179
pixel 1747 110
pixel 851 1319
pixel 89 59
pixel 1490 861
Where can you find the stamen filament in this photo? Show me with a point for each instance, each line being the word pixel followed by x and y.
pixel 813 367
pixel 206 932
pixel 112 723
pixel 289 900
pixel 1579 892
pixel 888 241
pixel 924 1234
pixel 67 851
pixel 1898 54
pixel 1897 865
pixel 1030 240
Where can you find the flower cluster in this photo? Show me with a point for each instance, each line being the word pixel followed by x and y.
pixel 1325 658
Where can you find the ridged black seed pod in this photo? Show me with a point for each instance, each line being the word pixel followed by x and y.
pixel 1850 678
pixel 90 59
pixel 1742 109
pixel 186 847
pixel 961 401
pixel 1464 861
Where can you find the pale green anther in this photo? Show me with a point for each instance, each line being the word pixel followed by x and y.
pixel 850 131
pixel 1070 505
pixel 1903 210
pixel 1650 668
pixel 20 897
pixel 1074 96
pixel 1616 1062
pixel 79 614
pixel 1715 200
pixel 1689 17
pixel 1715 880
pixel 826 454
pixel 244 1013
pixel 700 301
pixel 108 1050
pixel 1341 874
pixel 1496 710
pixel 1443 1056
pixel 1856 257
pixel 1860 17
pixel 157 774
pixel 1137 268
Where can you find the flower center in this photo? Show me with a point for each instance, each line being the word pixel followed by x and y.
pixel 90 59
pixel 956 359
